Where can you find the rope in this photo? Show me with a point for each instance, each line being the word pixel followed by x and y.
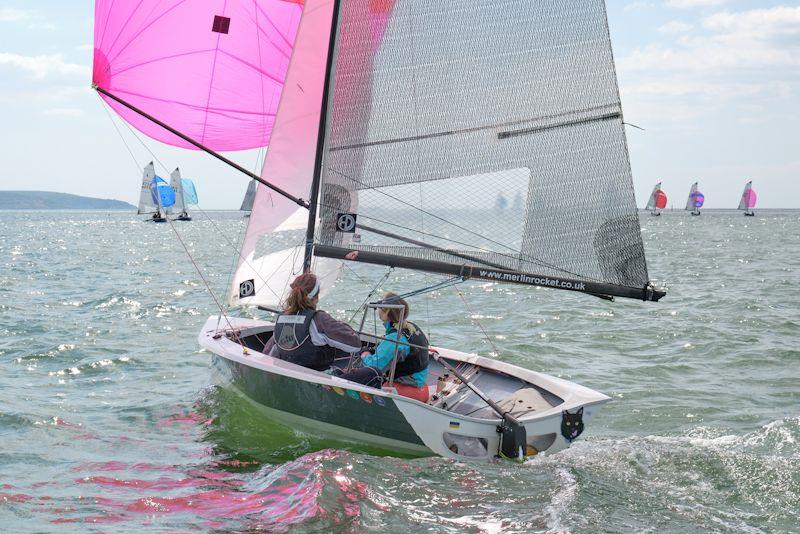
pixel 233 245
pixel 180 240
pixel 119 133
pixel 428 289
pixel 476 321
pixel 374 289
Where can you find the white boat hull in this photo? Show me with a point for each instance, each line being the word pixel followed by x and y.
pixel 327 406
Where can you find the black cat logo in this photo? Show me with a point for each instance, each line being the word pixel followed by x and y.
pixel 572 424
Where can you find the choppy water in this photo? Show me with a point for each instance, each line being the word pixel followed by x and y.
pixel 109 420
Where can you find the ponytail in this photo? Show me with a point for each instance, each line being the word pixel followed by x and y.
pixel 304 289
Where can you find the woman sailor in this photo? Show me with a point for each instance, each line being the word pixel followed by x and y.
pixel 307 336
pixel 411 370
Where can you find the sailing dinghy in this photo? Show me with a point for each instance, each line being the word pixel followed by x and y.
pixel 249 197
pixel 148 203
pixel 657 202
pixel 398 119
pixel 185 195
pixel 695 200
pixel 749 199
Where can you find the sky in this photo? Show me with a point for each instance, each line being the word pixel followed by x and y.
pixel 714 83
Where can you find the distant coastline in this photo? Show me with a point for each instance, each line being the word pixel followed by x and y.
pixel 49 200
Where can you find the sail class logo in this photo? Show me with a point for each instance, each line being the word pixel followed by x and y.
pixel 247 288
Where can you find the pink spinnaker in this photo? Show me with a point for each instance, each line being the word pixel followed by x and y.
pixel 749 198
pixel 289 163
pixel 212 69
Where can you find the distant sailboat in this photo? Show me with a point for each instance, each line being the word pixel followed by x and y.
pixel 695 201
pixel 748 201
pixel 185 195
pixel 162 197
pixel 147 203
pixel 249 197
pixel 657 202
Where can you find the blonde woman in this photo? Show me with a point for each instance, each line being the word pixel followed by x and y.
pixel 412 352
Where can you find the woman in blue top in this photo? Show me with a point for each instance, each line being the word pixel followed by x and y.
pixel 412 362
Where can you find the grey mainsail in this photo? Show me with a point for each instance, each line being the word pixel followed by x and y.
pixel 146 204
pixel 438 107
pixel 175 182
pixel 249 197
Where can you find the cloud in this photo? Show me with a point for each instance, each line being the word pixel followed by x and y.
pixel 732 61
pixel 9 14
pixel 63 112
pixel 34 18
pixel 638 5
pixel 684 4
pixel 675 27
pixel 44 66
pixel 763 39
pixel 758 23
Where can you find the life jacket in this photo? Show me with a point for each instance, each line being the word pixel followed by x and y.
pixel 417 358
pixel 293 341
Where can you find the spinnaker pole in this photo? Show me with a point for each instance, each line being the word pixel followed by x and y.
pixel 170 129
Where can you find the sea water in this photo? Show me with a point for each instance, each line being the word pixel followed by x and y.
pixel 110 419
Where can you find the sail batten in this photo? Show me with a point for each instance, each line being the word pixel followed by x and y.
pixel 458 102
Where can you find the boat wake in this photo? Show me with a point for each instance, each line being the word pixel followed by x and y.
pixel 684 480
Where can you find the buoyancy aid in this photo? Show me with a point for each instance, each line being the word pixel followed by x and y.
pixel 293 341
pixel 417 358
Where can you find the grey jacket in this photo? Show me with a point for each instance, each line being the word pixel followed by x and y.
pixel 325 330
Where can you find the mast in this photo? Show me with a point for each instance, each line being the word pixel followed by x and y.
pixel 321 134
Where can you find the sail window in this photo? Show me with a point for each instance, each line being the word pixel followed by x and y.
pixel 468 446
pixel 537 444
pixel 221 24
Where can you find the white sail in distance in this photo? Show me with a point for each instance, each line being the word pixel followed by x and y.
pixel 146 204
pixel 249 196
pixel 175 182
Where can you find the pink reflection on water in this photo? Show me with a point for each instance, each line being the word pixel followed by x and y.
pixel 287 495
pixel 184 419
pixel 208 495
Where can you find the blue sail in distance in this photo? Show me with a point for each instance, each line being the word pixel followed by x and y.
pixel 189 192
pixel 163 195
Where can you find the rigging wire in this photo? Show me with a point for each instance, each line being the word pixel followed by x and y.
pixel 233 245
pixel 374 289
pixel 183 244
pixel 474 317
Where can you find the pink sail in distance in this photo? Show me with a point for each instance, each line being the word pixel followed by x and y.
pixel 212 69
pixel 749 198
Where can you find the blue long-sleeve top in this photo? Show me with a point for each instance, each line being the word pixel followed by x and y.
pixel 384 352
